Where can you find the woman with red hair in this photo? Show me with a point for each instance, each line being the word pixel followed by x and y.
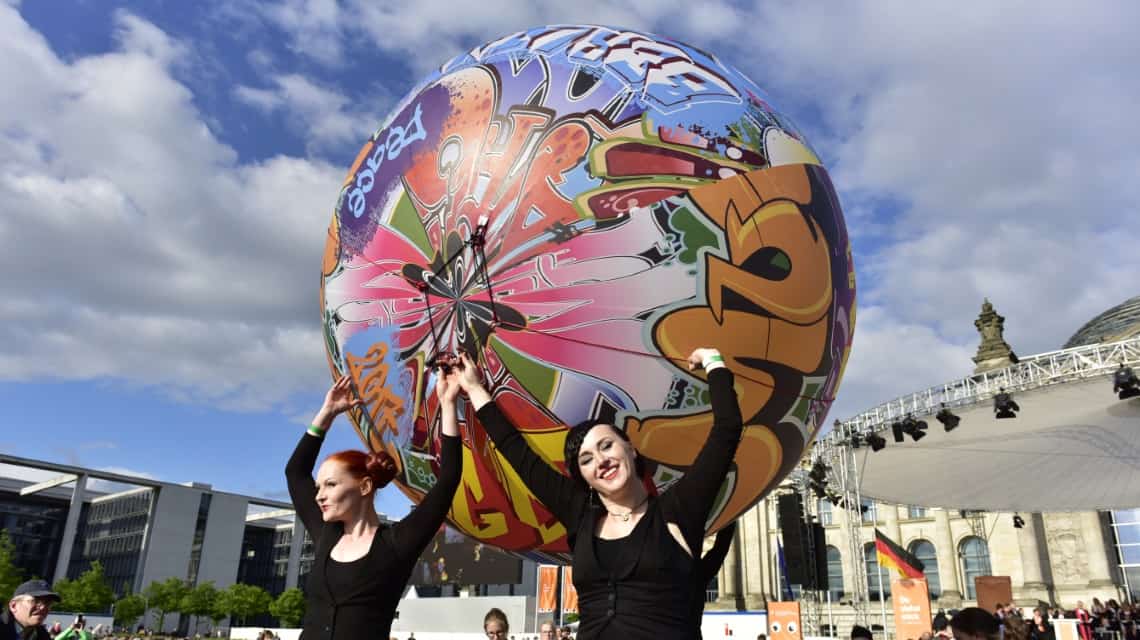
pixel 361 566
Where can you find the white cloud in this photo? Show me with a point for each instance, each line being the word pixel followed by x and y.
pixel 324 117
pixel 1001 135
pixel 892 358
pixel 142 249
pixel 1004 131
pixel 314 27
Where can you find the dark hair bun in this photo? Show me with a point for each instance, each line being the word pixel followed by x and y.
pixel 381 468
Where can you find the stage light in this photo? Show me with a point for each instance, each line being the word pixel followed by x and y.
pixel 876 441
pixel 948 419
pixel 1018 522
pixel 898 429
pixel 1124 383
pixel 916 429
pixel 1004 405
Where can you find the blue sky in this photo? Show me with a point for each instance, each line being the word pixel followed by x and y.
pixel 167 170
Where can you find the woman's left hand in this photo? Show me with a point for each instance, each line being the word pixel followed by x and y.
pixel 698 357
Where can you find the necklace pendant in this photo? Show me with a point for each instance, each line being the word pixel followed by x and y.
pixel 626 516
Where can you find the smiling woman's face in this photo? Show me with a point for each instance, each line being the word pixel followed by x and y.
pixel 606 461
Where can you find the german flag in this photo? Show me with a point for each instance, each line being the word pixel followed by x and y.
pixel 892 556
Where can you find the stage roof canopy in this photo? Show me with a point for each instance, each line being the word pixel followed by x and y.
pixel 1073 445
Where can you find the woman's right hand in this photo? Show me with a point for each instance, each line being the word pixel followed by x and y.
pixel 339 399
pixel 468 373
pixel 447 385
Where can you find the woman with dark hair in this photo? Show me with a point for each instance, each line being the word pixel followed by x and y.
pixel 636 555
pixel 361 566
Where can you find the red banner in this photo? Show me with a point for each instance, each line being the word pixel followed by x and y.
pixel 547 588
pixel 569 593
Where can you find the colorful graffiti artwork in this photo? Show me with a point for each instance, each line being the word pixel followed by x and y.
pixel 581 207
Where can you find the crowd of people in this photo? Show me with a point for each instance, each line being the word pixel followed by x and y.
pixel 27 610
pixel 636 553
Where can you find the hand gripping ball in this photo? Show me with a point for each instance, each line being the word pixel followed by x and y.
pixel 580 207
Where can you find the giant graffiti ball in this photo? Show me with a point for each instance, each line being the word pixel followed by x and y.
pixel 581 207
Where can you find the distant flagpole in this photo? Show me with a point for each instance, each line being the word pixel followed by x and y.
pixel 882 596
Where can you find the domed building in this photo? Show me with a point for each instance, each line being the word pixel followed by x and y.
pixel 1118 323
pixel 1054 558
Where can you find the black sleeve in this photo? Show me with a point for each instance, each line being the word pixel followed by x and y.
pixel 410 535
pixel 711 562
pixel 693 495
pixel 302 488
pixel 565 499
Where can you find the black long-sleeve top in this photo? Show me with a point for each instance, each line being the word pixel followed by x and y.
pixel 358 599
pixel 648 593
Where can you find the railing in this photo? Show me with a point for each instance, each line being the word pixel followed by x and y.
pixel 1036 371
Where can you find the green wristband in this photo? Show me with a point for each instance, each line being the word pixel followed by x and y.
pixel 711 359
pixel 314 430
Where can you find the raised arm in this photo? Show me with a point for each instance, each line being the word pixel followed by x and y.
pixel 410 535
pixel 565 499
pixel 712 561
pixel 299 469
pixel 695 493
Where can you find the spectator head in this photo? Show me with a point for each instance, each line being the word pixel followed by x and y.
pixel 546 630
pixel 974 623
pixel 495 624
pixel 861 633
pixel 31 603
pixel 565 632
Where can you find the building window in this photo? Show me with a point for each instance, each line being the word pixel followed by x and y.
pixel 870 512
pixel 834 573
pixel 876 590
pixel 975 555
pixel 924 551
pixel 915 513
pixel 1126 527
pixel 712 589
pixel 826 517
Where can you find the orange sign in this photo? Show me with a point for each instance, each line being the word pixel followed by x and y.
pixel 784 621
pixel 569 593
pixel 912 607
pixel 547 588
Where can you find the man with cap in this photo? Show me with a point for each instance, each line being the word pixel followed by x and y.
pixel 29 606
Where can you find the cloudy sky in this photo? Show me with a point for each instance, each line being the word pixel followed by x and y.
pixel 167 171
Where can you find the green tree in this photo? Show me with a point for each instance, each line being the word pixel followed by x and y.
pixel 221 607
pixel 129 609
pixel 10 575
pixel 289 607
pixel 87 593
pixel 165 597
pixel 199 602
pixel 245 601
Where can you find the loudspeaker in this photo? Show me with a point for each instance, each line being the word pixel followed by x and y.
pixel 820 543
pixel 790 510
